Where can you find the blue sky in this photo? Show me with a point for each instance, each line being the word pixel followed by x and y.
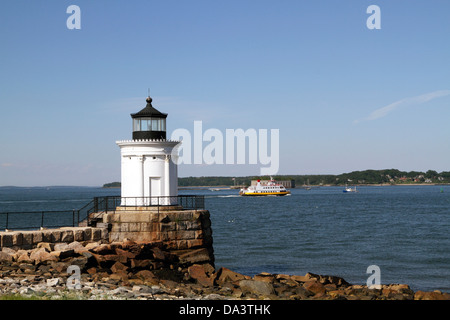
pixel 344 97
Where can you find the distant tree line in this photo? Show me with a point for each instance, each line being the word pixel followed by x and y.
pixel 386 176
pixel 112 185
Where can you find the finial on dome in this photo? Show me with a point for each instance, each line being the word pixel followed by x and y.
pixel 149 99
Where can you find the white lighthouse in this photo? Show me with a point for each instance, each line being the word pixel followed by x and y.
pixel 148 173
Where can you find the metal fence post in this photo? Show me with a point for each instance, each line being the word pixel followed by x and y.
pixel 95 204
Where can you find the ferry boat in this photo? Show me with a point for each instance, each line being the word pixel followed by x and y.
pixel 270 189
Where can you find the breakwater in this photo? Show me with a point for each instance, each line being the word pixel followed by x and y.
pixel 149 271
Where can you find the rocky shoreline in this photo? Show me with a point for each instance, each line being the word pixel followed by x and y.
pixel 147 271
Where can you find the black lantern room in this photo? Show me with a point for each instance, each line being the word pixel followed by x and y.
pixel 149 123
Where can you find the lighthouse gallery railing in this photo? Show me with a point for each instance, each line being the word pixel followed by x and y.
pixel 65 218
pixel 110 203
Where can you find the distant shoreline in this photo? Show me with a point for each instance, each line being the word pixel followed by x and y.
pixel 329 185
pixel 325 185
pixel 229 186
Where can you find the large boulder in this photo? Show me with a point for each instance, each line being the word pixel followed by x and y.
pixel 41 255
pixel 315 287
pixel 225 275
pixel 46 245
pixel 141 264
pixel 196 257
pixel 76 246
pixel 82 262
pixel 118 267
pixel 127 254
pixel 5 257
pixel 264 276
pixel 103 249
pixel 198 273
pixel 260 288
pixel 434 295
pixel 23 256
pixel 63 254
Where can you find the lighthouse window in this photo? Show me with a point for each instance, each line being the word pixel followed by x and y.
pixel 162 124
pixel 155 125
pixel 149 124
pixel 145 125
pixel 136 125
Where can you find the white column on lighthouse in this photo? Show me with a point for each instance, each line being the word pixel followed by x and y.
pixel 167 178
pixel 139 201
pixel 174 185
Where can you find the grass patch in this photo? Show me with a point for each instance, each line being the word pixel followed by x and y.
pixel 16 296
pixel 38 296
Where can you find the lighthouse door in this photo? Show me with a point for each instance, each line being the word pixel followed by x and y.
pixel 154 190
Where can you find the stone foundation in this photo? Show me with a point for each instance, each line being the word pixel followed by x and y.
pixel 30 239
pixel 184 232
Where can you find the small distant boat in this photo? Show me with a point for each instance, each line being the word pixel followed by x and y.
pixel 349 189
pixel 218 189
pixel 272 188
pixel 307 186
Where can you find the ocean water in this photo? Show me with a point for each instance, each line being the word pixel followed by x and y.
pixel 404 230
pixel 61 200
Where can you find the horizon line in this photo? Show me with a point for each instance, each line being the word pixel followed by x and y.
pixel 312 174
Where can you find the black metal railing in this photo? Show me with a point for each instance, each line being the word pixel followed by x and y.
pixel 189 202
pixel 38 219
pixel 93 210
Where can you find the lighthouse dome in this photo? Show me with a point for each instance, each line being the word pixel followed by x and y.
pixel 149 123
